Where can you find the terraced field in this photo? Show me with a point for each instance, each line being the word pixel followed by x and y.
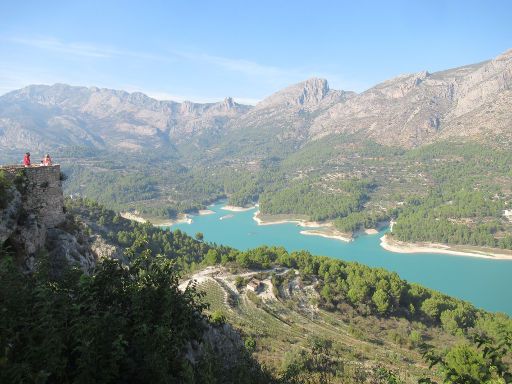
pixel 283 320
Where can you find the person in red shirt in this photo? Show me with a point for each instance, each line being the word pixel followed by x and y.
pixel 26 159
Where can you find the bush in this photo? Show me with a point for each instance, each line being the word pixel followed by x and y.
pixel 218 317
pixel 239 282
pixel 415 339
pixel 250 343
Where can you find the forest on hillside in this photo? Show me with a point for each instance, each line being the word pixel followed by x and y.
pixel 448 192
pixel 123 307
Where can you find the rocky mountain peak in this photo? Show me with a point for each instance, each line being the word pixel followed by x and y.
pixel 407 110
pixel 418 108
pixel 228 103
pixel 313 91
pixel 307 93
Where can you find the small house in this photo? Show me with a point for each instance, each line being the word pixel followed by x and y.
pixel 255 285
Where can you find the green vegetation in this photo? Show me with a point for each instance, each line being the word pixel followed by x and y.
pixel 380 293
pixel 450 192
pixel 153 183
pixel 339 200
pixel 371 291
pixel 109 324
pixel 115 326
pixel 361 220
pixel 343 343
pixel 481 362
pixel 184 250
pixel 123 324
pixel 368 290
pixel 462 217
pixel 470 191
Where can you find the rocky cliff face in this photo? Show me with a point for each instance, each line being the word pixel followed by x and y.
pixel 42 117
pixel 33 219
pixel 288 113
pixel 409 110
pixel 415 109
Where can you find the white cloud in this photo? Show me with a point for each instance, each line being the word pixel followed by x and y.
pixel 83 49
pixel 275 77
pixel 246 67
pixel 52 44
pixel 279 77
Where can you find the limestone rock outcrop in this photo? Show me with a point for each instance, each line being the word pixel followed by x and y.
pixel 33 220
pixel 221 340
pixel 101 249
pixel 64 246
pixel 42 117
pixel 409 110
pixel 9 214
pixel 412 110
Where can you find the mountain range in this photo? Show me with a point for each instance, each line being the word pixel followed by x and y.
pixel 472 101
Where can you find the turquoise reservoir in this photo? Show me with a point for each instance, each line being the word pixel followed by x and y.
pixel 485 283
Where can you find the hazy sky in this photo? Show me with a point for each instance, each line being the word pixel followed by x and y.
pixel 207 50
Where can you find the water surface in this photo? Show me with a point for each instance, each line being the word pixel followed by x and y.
pixel 485 283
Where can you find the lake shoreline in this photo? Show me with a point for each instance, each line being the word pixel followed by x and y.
pixel 157 222
pixel 476 279
pixel 233 208
pixel 204 212
pixel 397 246
pixel 324 229
pixel 327 235
pixel 327 230
pixel 301 223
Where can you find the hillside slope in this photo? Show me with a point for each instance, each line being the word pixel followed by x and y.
pixel 410 110
pixel 42 117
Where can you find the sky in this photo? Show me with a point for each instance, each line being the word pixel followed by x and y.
pixel 205 51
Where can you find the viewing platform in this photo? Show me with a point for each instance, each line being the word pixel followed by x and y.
pixel 42 191
pixel 7 167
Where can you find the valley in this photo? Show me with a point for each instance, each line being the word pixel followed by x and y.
pixel 256 192
pixel 483 281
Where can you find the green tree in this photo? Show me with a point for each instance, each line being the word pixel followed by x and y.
pixel 381 300
pixel 212 257
pixel 465 363
pixel 481 362
pixel 118 325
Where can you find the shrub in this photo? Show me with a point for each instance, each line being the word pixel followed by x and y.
pixel 250 343
pixel 415 339
pixel 217 317
pixel 239 282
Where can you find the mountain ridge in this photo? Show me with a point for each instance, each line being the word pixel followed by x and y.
pixel 409 110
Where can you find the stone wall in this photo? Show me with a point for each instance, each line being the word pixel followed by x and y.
pixel 42 193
